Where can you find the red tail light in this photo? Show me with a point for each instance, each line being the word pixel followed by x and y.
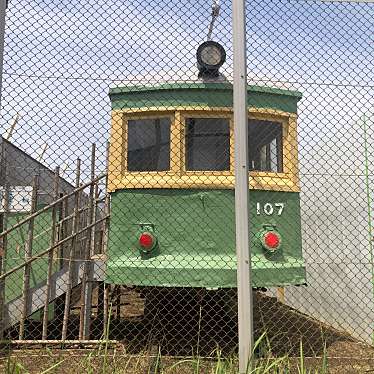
pixel 146 241
pixel 272 240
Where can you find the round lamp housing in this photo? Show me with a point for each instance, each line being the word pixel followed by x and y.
pixel 271 240
pixel 147 241
pixel 210 57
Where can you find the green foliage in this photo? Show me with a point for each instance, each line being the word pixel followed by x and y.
pixel 14 367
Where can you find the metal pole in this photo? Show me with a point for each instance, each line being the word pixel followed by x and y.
pixel 368 199
pixel 72 252
pixel 28 254
pixel 245 303
pixel 3 253
pixel 50 255
pixel 3 6
pixel 87 278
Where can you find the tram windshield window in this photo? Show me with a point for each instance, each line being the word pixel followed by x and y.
pixel 207 144
pixel 265 146
pixel 148 144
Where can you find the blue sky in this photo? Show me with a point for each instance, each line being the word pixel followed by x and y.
pixel 62 56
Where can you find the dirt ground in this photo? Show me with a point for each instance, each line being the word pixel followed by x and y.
pixel 79 361
pixel 182 324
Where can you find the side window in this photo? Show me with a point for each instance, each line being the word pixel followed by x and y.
pixel 148 147
pixel 265 142
pixel 207 144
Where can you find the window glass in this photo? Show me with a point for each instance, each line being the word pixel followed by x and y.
pixel 148 144
pixel 207 144
pixel 265 146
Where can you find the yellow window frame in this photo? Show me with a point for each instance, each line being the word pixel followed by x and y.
pixel 174 139
pixel 177 176
pixel 205 114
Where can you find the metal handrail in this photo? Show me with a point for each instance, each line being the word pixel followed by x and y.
pixel 47 207
pixel 41 254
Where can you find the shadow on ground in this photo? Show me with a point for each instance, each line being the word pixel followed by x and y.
pixel 185 322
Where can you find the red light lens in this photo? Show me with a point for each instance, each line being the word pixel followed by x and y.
pixel 146 241
pixel 272 240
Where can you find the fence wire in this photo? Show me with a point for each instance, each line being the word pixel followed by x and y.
pixel 117 175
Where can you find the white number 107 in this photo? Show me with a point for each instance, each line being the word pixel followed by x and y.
pixel 269 209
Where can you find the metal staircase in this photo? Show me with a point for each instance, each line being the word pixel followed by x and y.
pixel 75 229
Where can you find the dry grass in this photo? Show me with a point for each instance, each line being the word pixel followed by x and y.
pixel 293 343
pixel 116 360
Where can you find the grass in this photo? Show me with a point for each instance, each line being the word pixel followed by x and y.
pixel 102 360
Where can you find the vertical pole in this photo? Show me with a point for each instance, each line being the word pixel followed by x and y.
pixel 104 244
pixel 104 307
pixel 64 232
pixel 118 301
pixel 3 254
pixel 281 297
pixel 100 300
pixel 28 254
pixel 93 246
pixel 72 251
pixel 107 310
pixel 368 199
pixel 245 307
pixel 105 236
pixel 87 278
pixel 62 251
pixel 3 6
pixel 50 255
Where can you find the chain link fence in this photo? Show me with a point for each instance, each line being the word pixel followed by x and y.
pixel 117 174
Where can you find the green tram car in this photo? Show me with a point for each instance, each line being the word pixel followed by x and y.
pixel 171 180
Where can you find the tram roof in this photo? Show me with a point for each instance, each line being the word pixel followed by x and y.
pixel 209 86
pixel 211 94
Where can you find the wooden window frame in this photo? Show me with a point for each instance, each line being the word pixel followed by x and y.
pixel 177 176
pixel 173 162
pixel 203 114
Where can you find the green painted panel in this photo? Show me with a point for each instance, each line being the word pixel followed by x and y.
pixel 15 252
pixel 196 235
pixel 214 86
pixel 199 94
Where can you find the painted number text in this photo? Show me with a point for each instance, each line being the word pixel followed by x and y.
pixel 269 209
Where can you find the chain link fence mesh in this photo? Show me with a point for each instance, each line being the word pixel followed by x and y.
pixel 126 155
